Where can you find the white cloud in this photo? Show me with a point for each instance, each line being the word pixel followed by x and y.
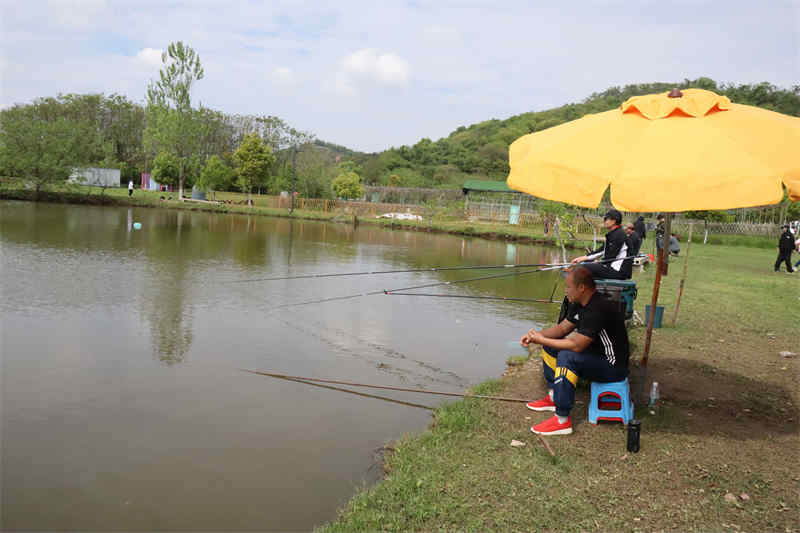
pixel 469 60
pixel 76 14
pixel 283 76
pixel 149 56
pixel 386 68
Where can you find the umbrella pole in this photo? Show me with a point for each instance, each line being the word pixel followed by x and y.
pixel 683 278
pixel 656 286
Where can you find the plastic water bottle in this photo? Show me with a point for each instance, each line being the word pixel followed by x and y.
pixel 653 398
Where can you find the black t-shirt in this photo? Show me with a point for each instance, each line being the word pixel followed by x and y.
pixel 602 321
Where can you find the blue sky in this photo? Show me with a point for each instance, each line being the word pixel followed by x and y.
pixel 370 75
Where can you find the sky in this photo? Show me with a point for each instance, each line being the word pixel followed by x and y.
pixel 375 74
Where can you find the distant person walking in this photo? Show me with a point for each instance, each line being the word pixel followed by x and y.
pixel 797 247
pixel 785 246
pixel 640 227
pixel 130 188
pixel 661 229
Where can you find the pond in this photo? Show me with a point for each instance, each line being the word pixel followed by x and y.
pixel 124 406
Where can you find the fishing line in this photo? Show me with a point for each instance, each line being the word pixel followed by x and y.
pixel 425 286
pixel 555 266
pixel 505 299
pixel 362 394
pixel 385 387
pixel 413 270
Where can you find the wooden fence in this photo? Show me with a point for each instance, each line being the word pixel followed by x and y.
pixel 322 204
pixel 492 212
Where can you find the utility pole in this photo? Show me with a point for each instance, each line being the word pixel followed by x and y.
pixel 294 178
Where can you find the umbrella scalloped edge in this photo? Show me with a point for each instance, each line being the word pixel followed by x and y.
pixel 694 103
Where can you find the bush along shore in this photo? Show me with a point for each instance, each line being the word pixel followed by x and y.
pixel 717 454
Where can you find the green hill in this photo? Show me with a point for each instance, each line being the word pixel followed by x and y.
pixel 480 151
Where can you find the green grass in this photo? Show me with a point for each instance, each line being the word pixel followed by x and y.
pixel 728 425
pixel 517 360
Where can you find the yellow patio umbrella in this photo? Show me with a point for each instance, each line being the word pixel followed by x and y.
pixel 659 153
pixel 678 151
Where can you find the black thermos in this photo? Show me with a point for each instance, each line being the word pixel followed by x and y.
pixel 634 428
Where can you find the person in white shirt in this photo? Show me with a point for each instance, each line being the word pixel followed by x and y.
pixel 797 247
pixel 130 188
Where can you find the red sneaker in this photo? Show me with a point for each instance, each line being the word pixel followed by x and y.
pixel 545 404
pixel 552 426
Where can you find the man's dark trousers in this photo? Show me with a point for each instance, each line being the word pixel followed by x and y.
pixel 784 256
pixel 563 368
pixel 603 271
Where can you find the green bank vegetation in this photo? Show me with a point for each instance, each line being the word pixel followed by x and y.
pixel 438 218
pixel 719 454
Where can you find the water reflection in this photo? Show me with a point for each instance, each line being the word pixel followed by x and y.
pixel 130 413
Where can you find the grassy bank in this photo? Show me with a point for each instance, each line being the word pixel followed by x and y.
pixel 438 223
pixel 719 455
pixel 119 197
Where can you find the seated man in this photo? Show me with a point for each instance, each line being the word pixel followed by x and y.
pixel 617 262
pixel 674 245
pixel 597 351
pixel 634 240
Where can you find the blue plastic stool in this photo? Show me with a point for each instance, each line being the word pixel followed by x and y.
pixel 611 401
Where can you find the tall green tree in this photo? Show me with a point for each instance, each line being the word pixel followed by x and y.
pixel 215 175
pixel 347 185
pixel 41 147
pixel 253 160
pixel 173 126
pixel 166 169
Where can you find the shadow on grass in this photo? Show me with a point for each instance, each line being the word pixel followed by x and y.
pixel 700 399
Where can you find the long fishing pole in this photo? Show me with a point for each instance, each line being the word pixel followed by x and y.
pixel 412 270
pixel 425 286
pixel 362 394
pixel 385 387
pixel 471 297
pixel 555 266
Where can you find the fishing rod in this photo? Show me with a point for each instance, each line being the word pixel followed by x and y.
pixel 357 393
pixel 555 266
pixel 503 298
pixel 425 286
pixel 385 387
pixel 412 270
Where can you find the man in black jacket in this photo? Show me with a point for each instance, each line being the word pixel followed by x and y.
pixel 634 239
pixel 661 229
pixel 640 228
pixel 613 251
pixel 785 247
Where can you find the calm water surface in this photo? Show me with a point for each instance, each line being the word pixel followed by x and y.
pixel 122 404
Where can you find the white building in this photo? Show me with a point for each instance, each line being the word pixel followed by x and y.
pixel 99 177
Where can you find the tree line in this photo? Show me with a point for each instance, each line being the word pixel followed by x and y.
pixel 183 144
pixel 480 151
pixel 180 143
